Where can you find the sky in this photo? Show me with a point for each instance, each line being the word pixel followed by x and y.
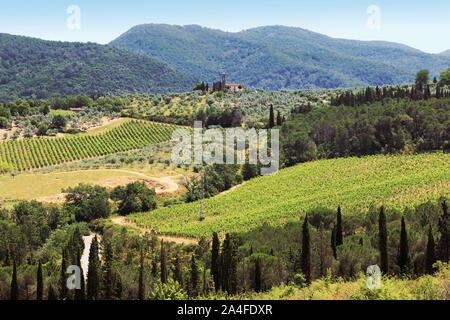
pixel 424 25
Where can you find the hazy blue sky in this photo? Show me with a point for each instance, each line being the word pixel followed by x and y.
pixel 422 24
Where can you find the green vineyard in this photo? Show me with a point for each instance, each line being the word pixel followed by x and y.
pixel 356 184
pixel 42 152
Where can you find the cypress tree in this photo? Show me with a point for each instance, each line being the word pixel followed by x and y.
pixel 93 270
pixel 63 278
pixel 178 271
pixel 339 237
pixel 271 118
pixel 14 292
pixel 80 294
pixel 382 238
pixel 444 229
pixel 279 119
pixel 108 258
pixel 403 256
pixel 194 278
pixel 163 264
pixel 306 252
pixel 258 284
pixel 141 291
pixel 430 254
pixel 214 260
pixel 39 283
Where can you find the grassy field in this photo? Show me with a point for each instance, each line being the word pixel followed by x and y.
pixel 35 186
pixel 353 183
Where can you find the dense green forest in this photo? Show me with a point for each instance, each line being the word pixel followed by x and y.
pixel 277 57
pixel 37 69
pixel 380 127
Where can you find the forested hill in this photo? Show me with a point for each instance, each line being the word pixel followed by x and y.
pixel 445 53
pixel 279 57
pixel 38 69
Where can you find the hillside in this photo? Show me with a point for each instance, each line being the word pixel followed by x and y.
pixel 279 57
pixel 445 53
pixel 353 183
pixel 38 69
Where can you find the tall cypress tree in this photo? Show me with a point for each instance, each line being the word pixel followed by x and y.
pixel 258 283
pixel 403 256
pixel 306 251
pixel 382 238
pixel 141 291
pixel 215 260
pixel 63 294
pixel 14 292
pixel 271 118
pixel 108 258
pixel 430 257
pixel 93 271
pixel 39 283
pixel 80 294
pixel 178 271
pixel 444 230
pixel 339 237
pixel 193 285
pixel 163 263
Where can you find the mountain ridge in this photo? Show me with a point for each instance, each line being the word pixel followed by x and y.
pixel 279 57
pixel 32 68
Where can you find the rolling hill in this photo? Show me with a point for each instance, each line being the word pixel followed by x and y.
pixel 354 183
pixel 445 53
pixel 279 57
pixel 38 69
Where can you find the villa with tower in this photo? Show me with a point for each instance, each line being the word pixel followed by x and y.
pixel 224 86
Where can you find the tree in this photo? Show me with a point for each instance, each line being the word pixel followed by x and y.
pixel 141 291
pixel 215 260
pixel 93 269
pixel 444 230
pixel 59 122
pixel 422 78
pixel 63 279
pixel 306 251
pixel 178 271
pixel 163 264
pixel 194 278
pixel 39 283
pixel 403 256
pixel 430 257
pixel 339 236
pixel 88 203
pixel 135 197
pixel 14 291
pixel 108 259
pixel 382 241
pixel 444 79
pixel 80 295
pixel 258 282
pixel 271 118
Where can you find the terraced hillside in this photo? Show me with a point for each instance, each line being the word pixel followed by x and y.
pixel 353 183
pixel 42 152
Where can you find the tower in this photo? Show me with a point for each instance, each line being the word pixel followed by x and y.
pixel 224 82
